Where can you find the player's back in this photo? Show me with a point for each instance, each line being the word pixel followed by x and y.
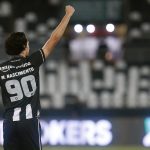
pixel 19 81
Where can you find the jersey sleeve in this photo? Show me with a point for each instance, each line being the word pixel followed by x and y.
pixel 37 58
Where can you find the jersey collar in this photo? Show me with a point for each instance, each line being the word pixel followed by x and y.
pixel 16 57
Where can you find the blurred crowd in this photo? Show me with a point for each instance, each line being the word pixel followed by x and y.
pixel 104 64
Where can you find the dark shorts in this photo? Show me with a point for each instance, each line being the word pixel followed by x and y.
pixel 22 135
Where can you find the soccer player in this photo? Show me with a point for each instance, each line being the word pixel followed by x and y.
pixel 19 81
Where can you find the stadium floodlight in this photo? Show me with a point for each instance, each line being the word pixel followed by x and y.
pixel 90 28
pixel 146 140
pixel 110 27
pixel 78 28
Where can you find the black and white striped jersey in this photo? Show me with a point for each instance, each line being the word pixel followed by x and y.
pixel 19 81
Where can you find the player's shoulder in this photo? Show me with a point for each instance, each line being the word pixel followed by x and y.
pixel 4 66
pixel 6 62
pixel 10 64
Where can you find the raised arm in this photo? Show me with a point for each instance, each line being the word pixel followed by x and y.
pixel 58 32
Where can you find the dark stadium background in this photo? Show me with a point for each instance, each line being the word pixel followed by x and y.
pixel 95 87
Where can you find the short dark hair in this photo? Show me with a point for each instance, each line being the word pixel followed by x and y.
pixel 15 43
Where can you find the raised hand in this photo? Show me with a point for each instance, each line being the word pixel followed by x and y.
pixel 70 10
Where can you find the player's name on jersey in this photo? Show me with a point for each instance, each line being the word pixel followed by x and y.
pixel 8 67
pixel 15 74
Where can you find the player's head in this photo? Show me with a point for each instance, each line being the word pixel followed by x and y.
pixel 16 44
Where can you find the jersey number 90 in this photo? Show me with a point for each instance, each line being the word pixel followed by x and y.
pixel 19 89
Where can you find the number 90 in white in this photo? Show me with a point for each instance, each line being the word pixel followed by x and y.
pixel 20 88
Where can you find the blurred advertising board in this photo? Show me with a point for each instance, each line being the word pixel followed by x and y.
pixel 94 132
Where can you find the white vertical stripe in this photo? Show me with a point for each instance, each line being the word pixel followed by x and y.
pixel 29 112
pixel 40 146
pixel 42 55
pixel 16 116
pixel 38 113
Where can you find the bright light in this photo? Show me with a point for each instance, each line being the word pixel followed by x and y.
pixel 78 28
pixel 110 27
pixel 90 28
pixel 146 140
